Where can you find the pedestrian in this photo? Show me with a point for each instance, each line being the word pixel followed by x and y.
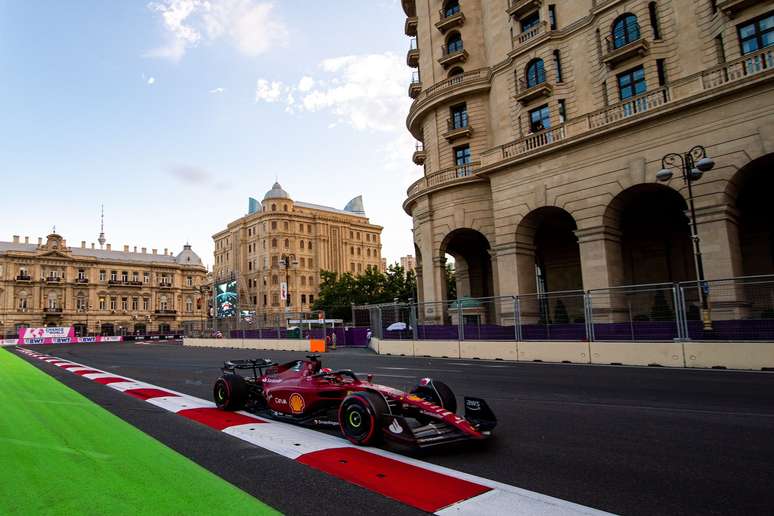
pixel 333 340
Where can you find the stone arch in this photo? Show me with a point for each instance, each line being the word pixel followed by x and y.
pixel 749 194
pixel 655 243
pixel 473 265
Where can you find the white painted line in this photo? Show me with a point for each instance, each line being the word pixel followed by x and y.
pixel 94 376
pixel 178 403
pixel 129 384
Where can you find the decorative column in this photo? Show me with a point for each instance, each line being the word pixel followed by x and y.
pixel 602 268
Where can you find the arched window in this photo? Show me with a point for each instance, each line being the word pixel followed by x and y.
pixel 309 245
pixel 23 304
pixel 163 303
pixel 453 43
pixel 454 72
pixel 625 30
pixel 311 281
pixel 285 207
pixel 536 73
pixel 301 245
pixel 450 8
pixel 188 304
pixel 368 253
pixel 273 207
pixel 352 251
pixel 287 244
pixel 303 281
pixel 274 243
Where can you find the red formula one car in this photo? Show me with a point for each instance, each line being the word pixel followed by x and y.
pixel 303 392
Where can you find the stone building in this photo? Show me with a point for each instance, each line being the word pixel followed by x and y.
pixel 408 263
pixel 98 290
pixel 542 125
pixel 287 241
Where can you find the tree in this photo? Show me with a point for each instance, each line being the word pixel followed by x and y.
pixel 451 282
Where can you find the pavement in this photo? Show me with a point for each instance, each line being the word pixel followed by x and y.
pixel 621 439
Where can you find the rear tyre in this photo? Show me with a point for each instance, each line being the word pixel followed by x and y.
pixel 230 392
pixel 437 393
pixel 361 417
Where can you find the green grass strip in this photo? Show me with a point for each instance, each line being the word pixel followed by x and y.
pixel 62 454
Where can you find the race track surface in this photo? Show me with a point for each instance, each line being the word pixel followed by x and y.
pixel 620 439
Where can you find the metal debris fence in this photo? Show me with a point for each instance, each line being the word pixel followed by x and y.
pixel 740 309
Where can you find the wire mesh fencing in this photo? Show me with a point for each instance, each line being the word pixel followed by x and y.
pixel 639 312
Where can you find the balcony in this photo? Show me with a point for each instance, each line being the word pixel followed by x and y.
pixel 23 277
pixel 165 284
pixel 165 312
pixel 412 56
pixel 457 130
pixel 528 37
pixel 448 59
pixel 53 279
pixel 455 174
pixel 449 21
pixel 616 56
pixel 415 87
pixel 519 8
pixel 527 93
pixel 410 27
pixel 82 280
pixel 732 7
pixel 419 154
pixel 52 311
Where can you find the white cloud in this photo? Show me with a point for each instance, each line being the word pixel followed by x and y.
pixel 248 25
pixel 268 91
pixel 151 80
pixel 217 90
pixel 367 92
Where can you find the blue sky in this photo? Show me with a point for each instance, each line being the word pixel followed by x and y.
pixel 172 113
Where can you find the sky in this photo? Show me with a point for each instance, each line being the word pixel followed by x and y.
pixel 172 113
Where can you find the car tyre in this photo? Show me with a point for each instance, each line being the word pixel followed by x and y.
pixel 361 417
pixel 439 394
pixel 230 392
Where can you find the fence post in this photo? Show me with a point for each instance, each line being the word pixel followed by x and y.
pixel 460 327
pixel 413 320
pixel 680 318
pixel 379 320
pixel 589 308
pixel 518 318
pixel 516 327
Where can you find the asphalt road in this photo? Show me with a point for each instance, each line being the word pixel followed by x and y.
pixel 621 439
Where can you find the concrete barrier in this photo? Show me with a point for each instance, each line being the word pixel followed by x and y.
pixel 267 344
pixel 574 352
pixel 638 353
pixel 489 350
pixel 437 348
pixel 395 347
pixel 731 355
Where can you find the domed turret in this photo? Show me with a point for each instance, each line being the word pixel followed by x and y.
pixel 276 192
pixel 188 257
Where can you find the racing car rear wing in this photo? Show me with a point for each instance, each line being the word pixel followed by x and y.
pixel 257 365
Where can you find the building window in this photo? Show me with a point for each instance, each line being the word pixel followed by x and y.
pixel 146 277
pixel 125 276
pixel 286 226
pixel 80 302
pixel 552 16
pixel 124 303
pixel 303 299
pixel 135 276
pixel 274 280
pixel 250 265
pixel 625 30
pixel 23 305
pixel 303 262
pixel 454 43
pixel 359 267
pixel 311 299
pixel 352 267
pixel 368 253
pixel 287 244
pixel 462 160
pixel 145 303
pixel 720 49
pixel 562 111
pixel 275 261
pixel 309 246
pixel 539 119
pixel 273 207
pixel 273 243
pixel 301 245
pixel 309 262
pixel 163 303
pixel 284 207
pixel 536 73
pixel 309 228
pixel 558 65
pixel 757 34
pixel 661 69
pixel 189 281
pixel 352 251
pixel 459 116
pixel 102 304
pixel 264 300
pixel 631 83
pixel 358 251
pixel 81 274
pixel 530 21
pixel 112 303
pixel 653 12
pixel 450 8
pixel 189 305
pixel 135 304
pixel 274 224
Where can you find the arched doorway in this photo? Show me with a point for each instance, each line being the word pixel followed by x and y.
pixel 164 329
pixel 107 330
pixel 755 183
pixel 549 275
pixel 472 278
pixel 655 235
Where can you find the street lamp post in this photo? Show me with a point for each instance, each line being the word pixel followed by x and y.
pixel 286 261
pixel 692 166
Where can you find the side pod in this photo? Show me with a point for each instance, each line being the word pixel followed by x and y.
pixel 479 414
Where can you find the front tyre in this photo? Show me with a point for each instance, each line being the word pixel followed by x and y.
pixel 230 392
pixel 361 417
pixel 437 393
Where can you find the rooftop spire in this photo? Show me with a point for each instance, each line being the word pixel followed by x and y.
pixel 102 238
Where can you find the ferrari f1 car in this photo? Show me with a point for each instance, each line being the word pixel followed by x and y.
pixel 305 393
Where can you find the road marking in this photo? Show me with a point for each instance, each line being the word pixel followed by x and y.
pixel 416 483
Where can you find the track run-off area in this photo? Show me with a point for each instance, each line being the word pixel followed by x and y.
pixel 570 439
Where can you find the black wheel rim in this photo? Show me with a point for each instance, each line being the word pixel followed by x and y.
pixel 220 393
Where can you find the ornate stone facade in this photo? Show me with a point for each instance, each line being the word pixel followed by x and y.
pixel 542 138
pixel 98 291
pixel 313 238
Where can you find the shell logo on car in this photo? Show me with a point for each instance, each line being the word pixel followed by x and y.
pixel 296 403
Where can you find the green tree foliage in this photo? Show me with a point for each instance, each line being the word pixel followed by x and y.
pixel 451 282
pixel 338 292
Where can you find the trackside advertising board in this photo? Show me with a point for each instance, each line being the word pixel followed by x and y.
pixel 54 335
pixel 51 332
